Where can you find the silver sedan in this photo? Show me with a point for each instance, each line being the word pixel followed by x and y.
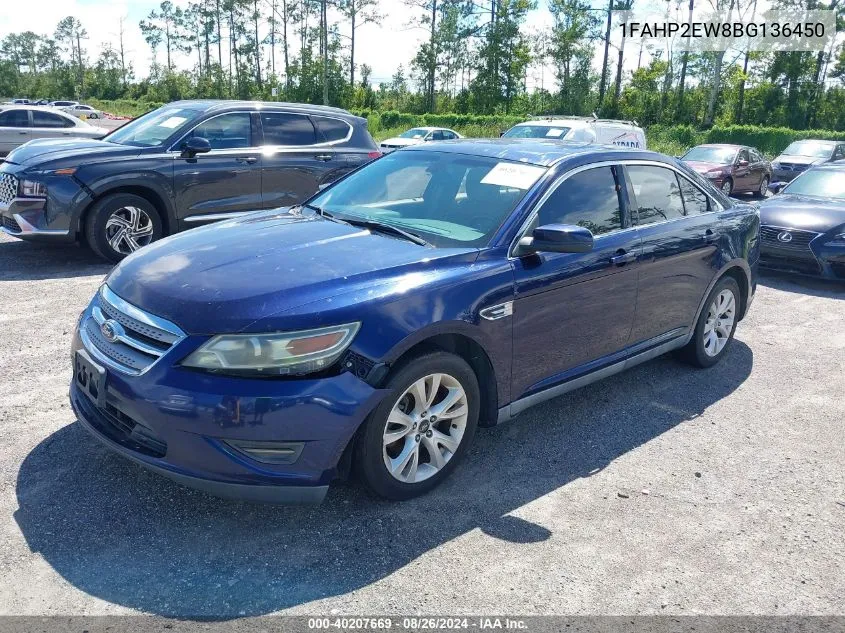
pixel 22 123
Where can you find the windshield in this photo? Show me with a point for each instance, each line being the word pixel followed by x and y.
pixel 450 200
pixel 415 133
pixel 821 183
pixel 536 131
pixel 718 155
pixel 153 128
pixel 809 148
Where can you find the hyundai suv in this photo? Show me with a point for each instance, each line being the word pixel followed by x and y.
pixel 182 165
pixel 374 327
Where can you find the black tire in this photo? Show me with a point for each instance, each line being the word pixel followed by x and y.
pixel 694 352
pixel 764 185
pixel 369 457
pixel 730 183
pixel 97 233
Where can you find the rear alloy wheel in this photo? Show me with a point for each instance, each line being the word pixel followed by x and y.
pixel 727 187
pixel 716 325
pixel 120 224
pixel 764 187
pixel 417 435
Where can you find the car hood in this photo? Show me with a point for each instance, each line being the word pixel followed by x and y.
pixel 802 212
pixel 703 167
pixel 794 159
pixel 49 150
pixel 228 276
pixel 402 142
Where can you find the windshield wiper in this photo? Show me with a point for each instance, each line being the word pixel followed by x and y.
pixel 375 225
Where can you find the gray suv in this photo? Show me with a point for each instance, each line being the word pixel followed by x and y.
pixel 182 165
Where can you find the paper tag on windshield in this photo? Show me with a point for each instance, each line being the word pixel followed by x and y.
pixel 514 175
pixel 172 122
pixel 555 131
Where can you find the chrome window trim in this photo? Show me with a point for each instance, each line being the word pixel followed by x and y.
pixel 715 204
pixel 174 148
pixel 328 143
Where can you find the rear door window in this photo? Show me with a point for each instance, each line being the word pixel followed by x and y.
pixel 696 201
pixel 283 128
pixel 657 194
pixel 14 118
pixel 48 119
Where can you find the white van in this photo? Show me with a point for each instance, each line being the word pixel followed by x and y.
pixel 589 130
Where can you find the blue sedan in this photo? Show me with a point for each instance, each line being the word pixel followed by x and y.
pixel 373 329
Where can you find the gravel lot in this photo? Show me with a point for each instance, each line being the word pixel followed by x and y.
pixel 662 490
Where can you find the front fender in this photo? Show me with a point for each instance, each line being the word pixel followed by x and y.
pixel 156 181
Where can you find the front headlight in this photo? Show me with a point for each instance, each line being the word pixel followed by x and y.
pixel 277 354
pixel 33 189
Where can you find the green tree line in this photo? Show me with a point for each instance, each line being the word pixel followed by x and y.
pixel 478 57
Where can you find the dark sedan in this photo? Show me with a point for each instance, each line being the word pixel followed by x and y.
pixel 803 227
pixel 801 155
pixel 732 168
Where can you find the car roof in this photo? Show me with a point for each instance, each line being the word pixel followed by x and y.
pixel 533 151
pixel 32 106
pixel 210 105
pixel 725 145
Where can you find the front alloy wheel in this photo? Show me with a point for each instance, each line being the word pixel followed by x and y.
pixel 421 429
pixel 425 428
pixel 128 229
pixel 727 187
pixel 119 224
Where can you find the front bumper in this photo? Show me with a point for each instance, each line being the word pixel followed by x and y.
pixel 187 425
pixel 51 219
pixel 787 175
pixel 818 257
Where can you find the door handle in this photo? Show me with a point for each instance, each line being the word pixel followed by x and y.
pixel 710 236
pixel 247 159
pixel 23 132
pixel 623 257
pixel 323 157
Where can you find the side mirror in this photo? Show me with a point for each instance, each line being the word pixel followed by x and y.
pixel 195 145
pixel 501 134
pixel 776 187
pixel 556 238
pixel 742 163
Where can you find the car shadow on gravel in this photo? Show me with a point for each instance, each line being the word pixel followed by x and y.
pixel 825 288
pixel 132 538
pixel 28 261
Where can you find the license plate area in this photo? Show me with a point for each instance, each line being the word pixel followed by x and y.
pixel 89 377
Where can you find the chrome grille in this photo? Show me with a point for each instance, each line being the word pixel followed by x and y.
pixel 799 241
pixel 136 339
pixel 8 188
